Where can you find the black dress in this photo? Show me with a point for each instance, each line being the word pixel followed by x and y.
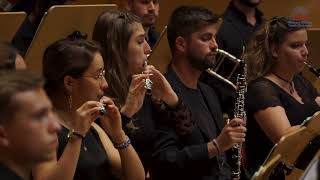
pixel 146 121
pixel 8 174
pixel 263 93
pixel 93 163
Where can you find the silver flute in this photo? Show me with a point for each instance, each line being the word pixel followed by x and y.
pixel 147 83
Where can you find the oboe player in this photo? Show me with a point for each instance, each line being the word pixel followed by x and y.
pixel 199 153
pixel 278 98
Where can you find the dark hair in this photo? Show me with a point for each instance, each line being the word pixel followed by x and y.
pixel 258 55
pixel 66 57
pixel 186 20
pixel 12 83
pixel 113 31
pixel 8 55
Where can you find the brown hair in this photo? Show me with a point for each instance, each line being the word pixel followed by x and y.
pixel 66 57
pixel 113 31
pixel 12 83
pixel 186 20
pixel 258 55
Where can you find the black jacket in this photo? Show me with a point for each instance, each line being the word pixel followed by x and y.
pixel 185 156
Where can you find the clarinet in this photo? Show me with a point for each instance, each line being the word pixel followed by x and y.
pixel 239 112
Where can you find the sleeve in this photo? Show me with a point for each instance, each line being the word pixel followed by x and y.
pixel 261 95
pixel 169 152
pixel 178 117
pixel 128 124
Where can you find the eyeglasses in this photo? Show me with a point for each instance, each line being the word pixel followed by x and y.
pixel 100 76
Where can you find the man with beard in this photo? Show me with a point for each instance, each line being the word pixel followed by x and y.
pixel 196 151
pixel 148 11
pixel 240 20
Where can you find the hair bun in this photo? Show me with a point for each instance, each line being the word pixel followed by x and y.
pixel 77 35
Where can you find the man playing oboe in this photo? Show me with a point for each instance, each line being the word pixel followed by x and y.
pixel 196 151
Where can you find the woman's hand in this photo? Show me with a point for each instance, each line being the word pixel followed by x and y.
pixel 161 88
pixel 111 121
pixel 135 95
pixel 86 114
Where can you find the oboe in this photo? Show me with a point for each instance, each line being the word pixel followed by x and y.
pixel 239 112
pixel 312 69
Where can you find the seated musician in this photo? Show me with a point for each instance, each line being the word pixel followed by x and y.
pixel 122 38
pixel 198 153
pixel 28 126
pixel 148 11
pixel 278 97
pixel 74 72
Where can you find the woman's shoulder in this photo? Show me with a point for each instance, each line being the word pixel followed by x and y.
pixel 262 84
pixel 261 94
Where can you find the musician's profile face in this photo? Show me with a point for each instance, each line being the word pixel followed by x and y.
pixel 138 49
pixel 92 84
pixel 30 133
pixel 147 10
pixel 293 52
pixel 201 46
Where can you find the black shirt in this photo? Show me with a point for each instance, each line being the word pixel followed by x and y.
pixel 235 31
pixel 145 122
pixel 93 163
pixel 8 174
pixel 263 93
pixel 141 131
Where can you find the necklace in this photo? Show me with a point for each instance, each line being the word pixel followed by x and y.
pixel 291 89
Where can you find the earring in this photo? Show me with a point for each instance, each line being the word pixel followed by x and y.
pixel 70 102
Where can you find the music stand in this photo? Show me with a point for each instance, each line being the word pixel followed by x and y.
pixel 86 2
pixel 265 170
pixel 10 23
pixel 312 171
pixel 299 139
pixel 59 22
